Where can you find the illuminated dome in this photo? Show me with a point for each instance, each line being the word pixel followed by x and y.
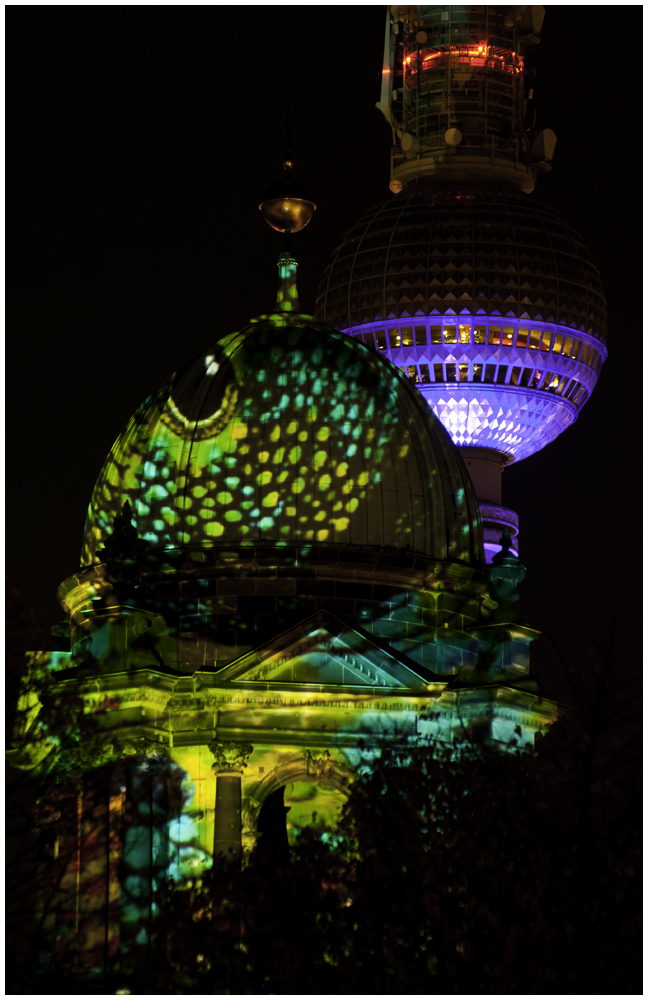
pixel 288 433
pixel 486 300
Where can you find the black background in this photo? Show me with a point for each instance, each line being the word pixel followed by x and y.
pixel 141 140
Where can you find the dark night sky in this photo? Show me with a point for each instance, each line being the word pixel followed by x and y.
pixel 141 140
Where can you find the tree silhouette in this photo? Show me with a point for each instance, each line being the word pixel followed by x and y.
pixel 455 870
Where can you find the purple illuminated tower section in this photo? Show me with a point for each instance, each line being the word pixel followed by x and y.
pixel 481 295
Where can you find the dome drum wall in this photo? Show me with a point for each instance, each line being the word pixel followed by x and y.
pixel 207 608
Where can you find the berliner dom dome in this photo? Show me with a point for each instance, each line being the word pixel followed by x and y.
pixel 288 433
pixel 286 471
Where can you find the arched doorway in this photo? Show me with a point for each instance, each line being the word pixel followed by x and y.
pixel 312 803
pixel 291 808
pixel 304 792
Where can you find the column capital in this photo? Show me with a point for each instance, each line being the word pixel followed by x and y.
pixel 231 758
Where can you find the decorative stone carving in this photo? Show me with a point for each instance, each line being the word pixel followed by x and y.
pixel 230 757
pixel 151 755
pixel 72 760
pixel 93 753
pixel 320 766
pixel 140 745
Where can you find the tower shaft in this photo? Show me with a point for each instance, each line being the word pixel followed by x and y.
pixel 455 90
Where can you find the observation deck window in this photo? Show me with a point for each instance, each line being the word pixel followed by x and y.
pixel 435 335
pixel 546 381
pixel 522 337
pixel 394 338
pixel 463 373
pixel 475 54
pixel 412 373
pixel 526 376
pixel 515 375
pixel 477 373
pixel 480 335
pixel 381 343
pixel 490 373
pixel 546 341
pixel 535 379
pixel 502 374
pixel 494 334
pixel 421 336
pixel 534 340
pixel 425 373
pixel 561 386
pixel 567 346
pixel 576 351
pixel 407 337
pixel 464 333
pixel 507 336
pixel 438 373
pixel 368 338
pixel 558 342
pixel 451 372
pixel 450 334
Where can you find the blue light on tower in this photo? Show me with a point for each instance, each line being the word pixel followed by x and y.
pixel 481 295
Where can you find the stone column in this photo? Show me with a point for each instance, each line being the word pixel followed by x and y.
pixel 231 759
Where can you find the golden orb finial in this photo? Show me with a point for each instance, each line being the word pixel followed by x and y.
pixel 287 206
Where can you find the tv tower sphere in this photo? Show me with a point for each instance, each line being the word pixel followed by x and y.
pixel 481 295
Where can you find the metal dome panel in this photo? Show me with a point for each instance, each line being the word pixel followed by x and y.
pixel 289 432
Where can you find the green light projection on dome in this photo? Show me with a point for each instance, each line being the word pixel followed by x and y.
pixel 284 432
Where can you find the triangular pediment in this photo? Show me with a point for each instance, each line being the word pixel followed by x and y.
pixel 325 651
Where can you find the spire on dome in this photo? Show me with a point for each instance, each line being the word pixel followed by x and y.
pixel 288 208
pixel 287 297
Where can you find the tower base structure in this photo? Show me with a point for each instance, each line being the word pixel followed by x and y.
pixel 485 467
